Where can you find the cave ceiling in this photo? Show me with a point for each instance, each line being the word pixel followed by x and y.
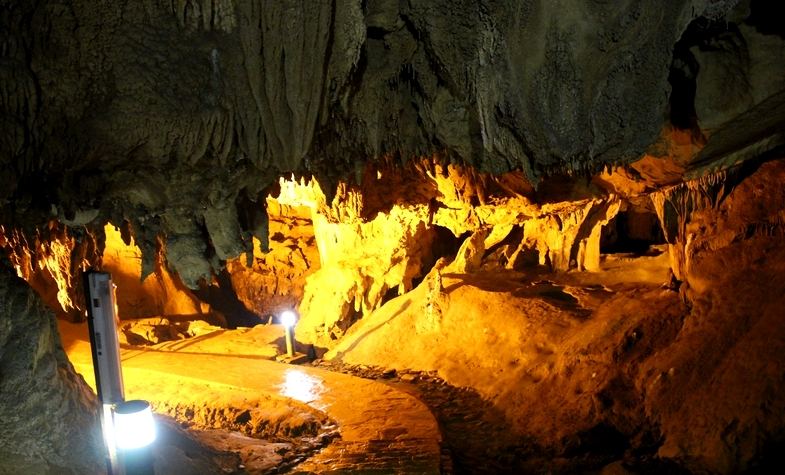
pixel 175 117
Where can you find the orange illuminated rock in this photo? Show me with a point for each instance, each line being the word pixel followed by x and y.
pixel 275 279
pixel 372 246
pixel 160 293
pixel 616 353
pixel 51 262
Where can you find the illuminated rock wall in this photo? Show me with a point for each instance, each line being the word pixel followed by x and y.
pixel 722 397
pixel 160 293
pixel 275 279
pixel 586 362
pixel 51 261
pixel 374 245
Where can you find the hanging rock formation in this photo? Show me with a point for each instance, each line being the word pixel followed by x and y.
pixel 372 243
pixel 117 111
pixel 275 280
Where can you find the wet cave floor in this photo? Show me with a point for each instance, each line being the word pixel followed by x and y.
pixel 223 401
pixel 228 413
pixel 478 439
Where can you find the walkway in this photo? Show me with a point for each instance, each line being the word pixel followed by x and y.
pixel 383 430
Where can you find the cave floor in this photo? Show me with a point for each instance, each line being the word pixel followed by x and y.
pixel 381 428
pixel 388 421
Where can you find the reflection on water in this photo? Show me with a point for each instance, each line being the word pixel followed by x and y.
pixel 301 386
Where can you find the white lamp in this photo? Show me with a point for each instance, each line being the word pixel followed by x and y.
pixel 288 319
pixel 134 426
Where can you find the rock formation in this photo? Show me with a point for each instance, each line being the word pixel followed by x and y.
pixel 581 368
pixel 114 113
pixel 48 413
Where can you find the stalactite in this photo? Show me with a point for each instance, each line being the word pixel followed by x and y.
pixel 52 261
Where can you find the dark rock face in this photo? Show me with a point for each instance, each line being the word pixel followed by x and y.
pixel 48 413
pixel 166 115
pixel 735 68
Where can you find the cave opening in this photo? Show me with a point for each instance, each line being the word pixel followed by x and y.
pixel 633 231
pixel 445 245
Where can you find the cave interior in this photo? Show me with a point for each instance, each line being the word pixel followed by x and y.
pixel 518 236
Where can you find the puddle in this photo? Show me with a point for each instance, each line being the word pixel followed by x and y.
pixel 301 386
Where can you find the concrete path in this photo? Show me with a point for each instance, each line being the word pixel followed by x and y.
pixel 383 430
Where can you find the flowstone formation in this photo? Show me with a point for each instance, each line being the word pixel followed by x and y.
pixel 374 245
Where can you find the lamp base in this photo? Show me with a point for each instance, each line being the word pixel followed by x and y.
pixel 297 358
pixel 137 461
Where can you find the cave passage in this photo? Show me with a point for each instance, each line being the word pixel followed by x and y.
pixel 473 313
pixel 632 231
pixel 181 347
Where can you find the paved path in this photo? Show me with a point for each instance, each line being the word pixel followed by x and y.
pixel 383 430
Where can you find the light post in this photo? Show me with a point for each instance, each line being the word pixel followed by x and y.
pixel 101 321
pixel 127 426
pixel 288 319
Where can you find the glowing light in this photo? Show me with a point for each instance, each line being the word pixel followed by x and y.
pixel 134 426
pixel 288 318
pixel 301 386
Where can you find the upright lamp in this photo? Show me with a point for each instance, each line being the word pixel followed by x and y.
pixel 288 318
pixel 126 425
